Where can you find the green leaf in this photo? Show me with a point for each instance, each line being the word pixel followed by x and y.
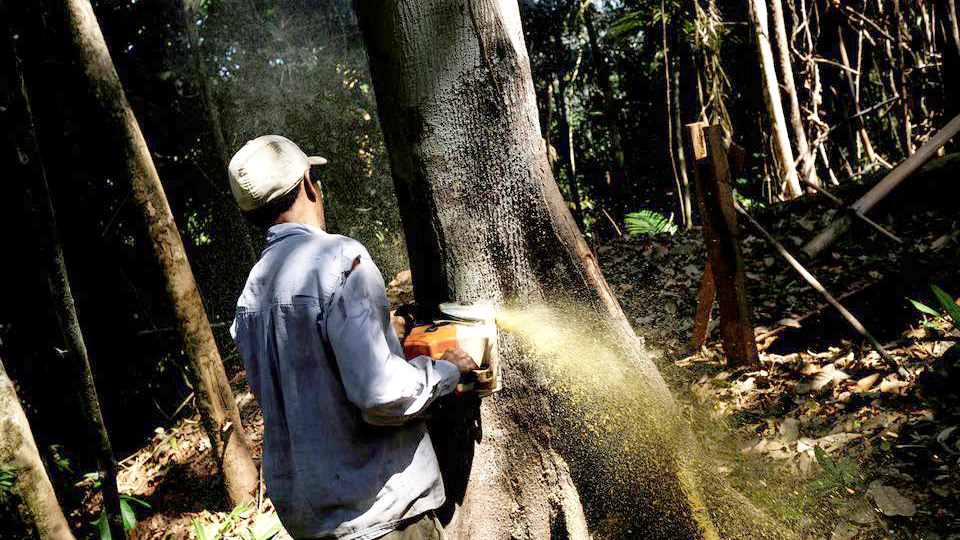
pixel 648 222
pixel 127 516
pixel 103 526
pixel 266 527
pixel 947 303
pixel 824 460
pixel 131 498
pixel 198 530
pixel 923 308
pixel 631 23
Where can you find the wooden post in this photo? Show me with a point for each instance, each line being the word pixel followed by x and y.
pixel 715 199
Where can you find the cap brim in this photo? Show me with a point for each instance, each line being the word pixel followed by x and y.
pixel 316 160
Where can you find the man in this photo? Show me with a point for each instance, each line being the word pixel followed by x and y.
pixel 346 454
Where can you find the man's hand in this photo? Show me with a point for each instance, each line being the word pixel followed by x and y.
pixel 461 359
pixel 399 325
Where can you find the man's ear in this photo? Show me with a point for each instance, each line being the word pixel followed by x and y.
pixel 309 187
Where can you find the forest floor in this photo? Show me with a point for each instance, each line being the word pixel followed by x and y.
pixel 820 431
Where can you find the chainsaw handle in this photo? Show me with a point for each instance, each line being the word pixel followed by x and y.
pixel 407 312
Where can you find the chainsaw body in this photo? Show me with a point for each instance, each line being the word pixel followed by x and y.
pixel 471 327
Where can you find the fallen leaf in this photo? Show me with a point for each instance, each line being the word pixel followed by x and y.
pixel 844 531
pixel 789 430
pixel 745 385
pixel 866 383
pixel 888 385
pixel 860 511
pixel 789 321
pixel 827 376
pixel 890 501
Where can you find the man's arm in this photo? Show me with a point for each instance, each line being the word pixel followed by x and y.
pixel 387 389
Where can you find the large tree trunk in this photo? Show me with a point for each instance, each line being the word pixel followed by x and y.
pixel 215 399
pixel 484 219
pixel 789 184
pixel 37 201
pixel 38 503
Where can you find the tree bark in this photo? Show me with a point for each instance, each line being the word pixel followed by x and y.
pixel 484 219
pixel 789 184
pixel 37 200
pixel 808 159
pixel 215 399
pixel 39 507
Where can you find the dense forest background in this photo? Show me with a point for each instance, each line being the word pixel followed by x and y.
pixel 615 82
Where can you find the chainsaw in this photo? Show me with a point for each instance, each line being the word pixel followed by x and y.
pixel 469 326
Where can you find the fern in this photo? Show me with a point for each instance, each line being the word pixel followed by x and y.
pixel 647 222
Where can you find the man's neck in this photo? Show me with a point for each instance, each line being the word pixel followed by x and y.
pixel 302 211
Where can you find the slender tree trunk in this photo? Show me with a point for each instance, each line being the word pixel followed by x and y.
pixel 808 169
pixel 611 116
pixel 954 25
pixel 215 399
pixel 904 85
pixel 563 159
pixel 484 219
pixel 861 133
pixel 568 158
pixel 678 145
pixel 191 12
pixel 812 75
pixel 789 184
pixel 547 120
pixel 669 89
pixel 37 201
pixel 18 451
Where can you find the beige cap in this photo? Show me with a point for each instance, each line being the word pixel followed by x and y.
pixel 267 168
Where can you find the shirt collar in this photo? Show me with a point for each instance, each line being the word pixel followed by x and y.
pixel 281 231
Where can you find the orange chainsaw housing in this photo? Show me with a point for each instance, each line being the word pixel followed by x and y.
pixel 430 340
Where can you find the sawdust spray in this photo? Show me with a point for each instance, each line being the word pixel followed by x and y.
pixel 616 420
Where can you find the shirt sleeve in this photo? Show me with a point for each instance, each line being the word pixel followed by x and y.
pixel 387 389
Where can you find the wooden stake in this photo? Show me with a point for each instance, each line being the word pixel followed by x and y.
pixel 715 197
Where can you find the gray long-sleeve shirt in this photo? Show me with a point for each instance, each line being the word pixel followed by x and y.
pixel 345 454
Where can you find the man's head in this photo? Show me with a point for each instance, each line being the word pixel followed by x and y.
pixel 266 176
